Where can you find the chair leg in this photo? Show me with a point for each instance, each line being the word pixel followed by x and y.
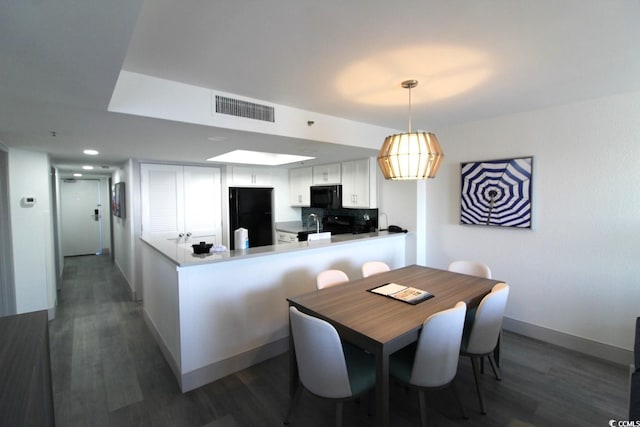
pixel 370 403
pixel 339 413
pixel 474 363
pixel 456 395
pixel 294 401
pixel 423 408
pixel 494 366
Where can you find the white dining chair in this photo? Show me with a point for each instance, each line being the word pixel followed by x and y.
pixel 374 267
pixel 327 367
pixel 432 362
pixel 482 332
pixel 328 278
pixel 472 268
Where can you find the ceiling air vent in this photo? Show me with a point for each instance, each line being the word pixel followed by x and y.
pixel 249 110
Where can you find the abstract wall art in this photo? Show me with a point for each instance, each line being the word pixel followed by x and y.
pixel 118 200
pixel 497 192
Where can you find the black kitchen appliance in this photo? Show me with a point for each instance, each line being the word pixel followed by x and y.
pixel 326 196
pixel 338 224
pixel 251 208
pixel 349 224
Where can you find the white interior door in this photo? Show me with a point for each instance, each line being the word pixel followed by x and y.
pixel 203 203
pixel 80 217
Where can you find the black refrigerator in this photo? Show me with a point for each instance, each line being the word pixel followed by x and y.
pixel 251 208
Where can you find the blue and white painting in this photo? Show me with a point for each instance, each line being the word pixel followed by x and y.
pixel 497 192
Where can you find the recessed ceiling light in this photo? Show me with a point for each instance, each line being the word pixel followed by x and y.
pixel 77 174
pixel 87 167
pixel 257 158
pixel 89 152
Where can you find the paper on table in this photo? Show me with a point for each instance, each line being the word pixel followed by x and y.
pixel 388 289
pixel 402 293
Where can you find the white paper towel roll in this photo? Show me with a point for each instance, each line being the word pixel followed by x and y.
pixel 241 238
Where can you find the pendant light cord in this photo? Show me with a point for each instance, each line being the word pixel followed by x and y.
pixel 409 84
pixel 409 109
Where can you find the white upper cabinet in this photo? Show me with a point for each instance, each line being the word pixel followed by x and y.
pixel 300 179
pixel 181 201
pixel 242 175
pixel 358 184
pixel 326 174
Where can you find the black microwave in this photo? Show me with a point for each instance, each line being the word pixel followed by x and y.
pixel 326 196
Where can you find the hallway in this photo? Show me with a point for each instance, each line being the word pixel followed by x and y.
pixel 108 371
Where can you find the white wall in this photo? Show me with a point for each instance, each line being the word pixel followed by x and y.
pixel 150 96
pixel 403 203
pixel 577 272
pixel 123 235
pixel 105 210
pixel 32 231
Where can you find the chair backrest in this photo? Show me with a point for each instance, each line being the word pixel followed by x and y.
pixel 374 267
pixel 321 363
pixel 330 278
pixel 472 268
pixel 488 321
pixel 436 360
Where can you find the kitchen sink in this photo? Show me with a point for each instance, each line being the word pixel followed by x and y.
pixel 318 236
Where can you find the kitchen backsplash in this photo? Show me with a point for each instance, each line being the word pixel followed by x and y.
pixel 362 217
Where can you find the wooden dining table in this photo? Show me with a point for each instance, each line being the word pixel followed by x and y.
pixel 382 325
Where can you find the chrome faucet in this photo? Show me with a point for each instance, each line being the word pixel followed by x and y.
pixel 315 218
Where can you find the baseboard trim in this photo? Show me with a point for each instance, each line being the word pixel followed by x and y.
pixel 582 345
pixel 215 371
pixel 132 292
pixel 207 374
pixel 173 364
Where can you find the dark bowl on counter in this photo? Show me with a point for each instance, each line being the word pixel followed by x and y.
pixel 202 248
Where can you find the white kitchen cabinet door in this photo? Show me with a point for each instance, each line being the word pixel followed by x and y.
pixel 241 176
pixel 326 174
pixel 286 237
pixel 180 201
pixel 355 184
pixel 300 180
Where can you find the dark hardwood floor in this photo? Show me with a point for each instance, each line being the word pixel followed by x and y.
pixel 108 371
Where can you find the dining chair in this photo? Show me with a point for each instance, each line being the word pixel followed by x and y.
pixel 327 367
pixel 472 268
pixel 481 334
pixel 328 278
pixel 432 362
pixel 374 267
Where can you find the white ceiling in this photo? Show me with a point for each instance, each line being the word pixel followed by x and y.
pixel 59 62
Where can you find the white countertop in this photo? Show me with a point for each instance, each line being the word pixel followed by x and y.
pixel 182 253
pixel 290 226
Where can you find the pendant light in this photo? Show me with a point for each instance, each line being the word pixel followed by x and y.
pixel 411 155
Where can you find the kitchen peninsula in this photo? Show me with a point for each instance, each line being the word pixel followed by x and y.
pixel 215 314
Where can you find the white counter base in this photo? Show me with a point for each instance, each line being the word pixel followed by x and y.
pixel 213 319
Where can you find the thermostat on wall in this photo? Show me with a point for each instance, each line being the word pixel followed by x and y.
pixel 28 201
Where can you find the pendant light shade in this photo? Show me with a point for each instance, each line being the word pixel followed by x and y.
pixel 411 155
